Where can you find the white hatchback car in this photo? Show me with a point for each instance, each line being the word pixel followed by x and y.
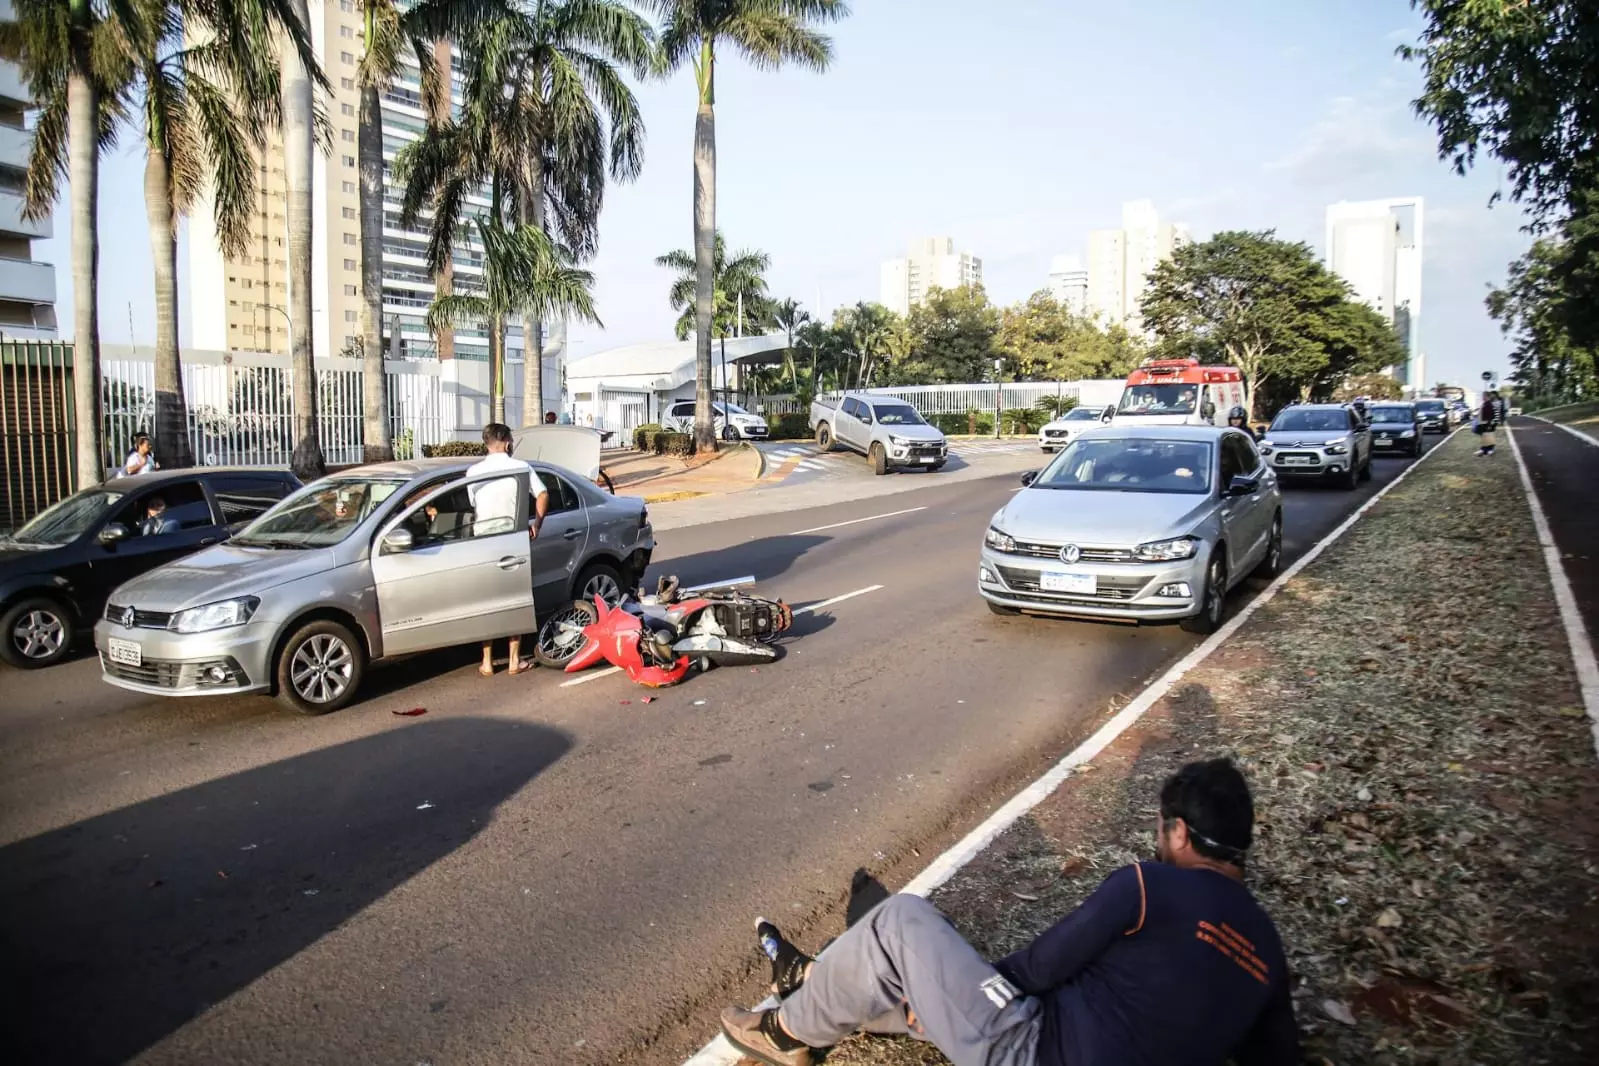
pixel 1056 434
pixel 732 421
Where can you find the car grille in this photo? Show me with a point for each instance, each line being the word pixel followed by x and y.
pixel 175 675
pixel 1110 588
pixel 1055 434
pixel 1090 555
pixel 141 619
pixel 918 451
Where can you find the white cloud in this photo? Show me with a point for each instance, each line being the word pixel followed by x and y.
pixel 1355 140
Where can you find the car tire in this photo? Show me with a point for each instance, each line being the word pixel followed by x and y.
pixel 1001 610
pixel 319 668
pixel 600 579
pixel 1272 564
pixel 824 436
pixel 554 645
pixel 1351 478
pixel 38 632
pixel 1213 604
pixel 879 459
pixel 729 433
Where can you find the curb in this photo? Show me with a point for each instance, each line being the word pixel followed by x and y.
pixel 718 1052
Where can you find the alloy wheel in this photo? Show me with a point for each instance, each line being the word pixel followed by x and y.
pixel 321 668
pixel 1215 593
pixel 604 586
pixel 38 634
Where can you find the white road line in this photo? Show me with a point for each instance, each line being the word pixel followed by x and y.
pixel 592 675
pixel 747 579
pixel 808 608
pixel 720 1053
pixel 1579 434
pixel 858 521
pixel 1576 633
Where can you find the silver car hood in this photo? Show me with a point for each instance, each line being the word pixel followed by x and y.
pixel 218 573
pixel 1294 438
pixel 1099 518
pixel 923 432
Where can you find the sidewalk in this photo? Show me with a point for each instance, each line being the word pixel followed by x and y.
pixel 661 478
pixel 1426 785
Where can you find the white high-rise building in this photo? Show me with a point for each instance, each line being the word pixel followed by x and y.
pixel 929 263
pixel 1068 283
pixel 27 287
pixel 1120 261
pixel 1376 246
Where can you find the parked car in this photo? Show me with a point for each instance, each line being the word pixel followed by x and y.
pixel 1053 435
pixel 360 567
pixel 1459 412
pixel 1434 415
pixel 1396 429
pixel 1319 440
pixel 732 421
pixel 887 431
pixel 56 571
pixel 1136 523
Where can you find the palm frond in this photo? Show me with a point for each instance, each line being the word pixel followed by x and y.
pixel 769 39
pixel 455 309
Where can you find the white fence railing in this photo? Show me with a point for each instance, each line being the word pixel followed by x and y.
pixel 959 399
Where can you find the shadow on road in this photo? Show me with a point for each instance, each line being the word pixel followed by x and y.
pixel 118 930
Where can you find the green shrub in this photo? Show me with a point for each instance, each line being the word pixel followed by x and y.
pixel 405 446
pixel 670 443
pixel 1022 420
pixel 979 422
pixel 454 449
pixel 794 426
pixel 644 436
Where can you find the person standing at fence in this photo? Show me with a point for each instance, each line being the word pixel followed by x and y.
pixel 494 510
pixel 141 460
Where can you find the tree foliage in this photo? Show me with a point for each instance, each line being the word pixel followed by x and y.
pixel 1041 340
pixel 1532 309
pixel 740 283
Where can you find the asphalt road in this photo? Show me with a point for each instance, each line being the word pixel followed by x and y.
pixel 533 871
pixel 1565 471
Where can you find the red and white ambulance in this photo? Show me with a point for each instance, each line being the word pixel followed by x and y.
pixel 1177 392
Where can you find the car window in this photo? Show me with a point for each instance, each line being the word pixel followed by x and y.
pixel 563 497
pixel 171 508
pixel 1310 420
pixel 69 519
pixel 897 414
pixel 485 508
pixel 244 499
pixel 683 410
pixel 320 515
pixel 1130 464
pixel 1082 414
pixel 849 406
pixel 1238 458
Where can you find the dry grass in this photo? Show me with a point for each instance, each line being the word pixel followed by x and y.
pixel 1427 788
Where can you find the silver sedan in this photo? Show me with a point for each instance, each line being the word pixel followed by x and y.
pixel 1136 523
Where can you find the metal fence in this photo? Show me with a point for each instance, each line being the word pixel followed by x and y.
pixel 943 399
pixel 37 440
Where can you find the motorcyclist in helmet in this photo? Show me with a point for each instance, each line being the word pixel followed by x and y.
pixel 1238 418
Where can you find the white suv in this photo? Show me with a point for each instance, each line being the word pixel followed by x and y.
pixel 732 421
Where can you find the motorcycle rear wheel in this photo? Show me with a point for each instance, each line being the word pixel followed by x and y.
pixel 560 636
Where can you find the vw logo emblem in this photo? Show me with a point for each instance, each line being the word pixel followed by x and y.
pixel 1071 553
pixel 127 617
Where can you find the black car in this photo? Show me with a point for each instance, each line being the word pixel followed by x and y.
pixel 1395 429
pixel 57 571
pixel 1433 415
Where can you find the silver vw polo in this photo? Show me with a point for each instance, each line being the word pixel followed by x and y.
pixel 1136 523
pixel 364 565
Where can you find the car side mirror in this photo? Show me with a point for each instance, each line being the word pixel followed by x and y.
pixel 1107 416
pixel 1029 477
pixel 113 532
pixel 1243 485
pixel 399 540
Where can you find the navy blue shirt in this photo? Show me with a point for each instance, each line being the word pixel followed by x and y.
pixel 1161 965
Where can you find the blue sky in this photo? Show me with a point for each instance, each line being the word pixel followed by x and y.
pixel 1015 127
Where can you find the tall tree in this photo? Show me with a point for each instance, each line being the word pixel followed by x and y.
pixel 299 143
pixel 1533 310
pixel 951 338
pixel 768 33
pixel 789 316
pixel 1041 340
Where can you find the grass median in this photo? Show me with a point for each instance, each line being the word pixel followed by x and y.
pixel 1426 785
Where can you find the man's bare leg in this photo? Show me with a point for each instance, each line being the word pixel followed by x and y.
pixel 517 662
pixel 486 669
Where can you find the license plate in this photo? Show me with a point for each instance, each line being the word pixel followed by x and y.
pixel 926 459
pixel 1296 460
pixel 1383 442
pixel 1087 584
pixel 125 652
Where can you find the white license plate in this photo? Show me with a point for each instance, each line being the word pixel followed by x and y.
pixel 125 652
pixel 926 459
pixel 1296 460
pixel 1382 442
pixel 1087 584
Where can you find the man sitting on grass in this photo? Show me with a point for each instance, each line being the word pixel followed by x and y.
pixel 1170 961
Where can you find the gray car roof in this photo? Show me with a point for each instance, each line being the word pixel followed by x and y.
pixel 134 482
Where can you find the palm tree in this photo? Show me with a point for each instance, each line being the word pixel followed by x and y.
pixel 525 273
pixel 790 316
pixel 769 33
pixel 546 118
pixel 299 135
pixel 738 294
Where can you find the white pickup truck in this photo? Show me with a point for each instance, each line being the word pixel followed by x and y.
pixel 886 430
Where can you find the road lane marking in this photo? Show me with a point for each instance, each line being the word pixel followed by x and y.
pixel 808 608
pixel 747 579
pixel 592 675
pixel 858 521
pixel 1576 632
pixel 720 1053
pixel 1579 434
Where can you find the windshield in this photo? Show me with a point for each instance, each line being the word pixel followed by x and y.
pixel 1310 420
pixel 897 414
pixel 1430 405
pixel 69 519
pixel 1392 414
pixel 1176 399
pixel 733 409
pixel 1082 414
pixel 319 515
pixel 1120 464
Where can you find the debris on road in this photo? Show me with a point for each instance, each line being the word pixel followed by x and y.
pixel 412 713
pixel 425 805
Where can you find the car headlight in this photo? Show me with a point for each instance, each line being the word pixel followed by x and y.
pixel 1165 551
pixel 1408 433
pixel 220 615
pixel 1336 446
pixel 1000 542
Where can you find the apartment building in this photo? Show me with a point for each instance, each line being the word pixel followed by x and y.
pixel 1120 261
pixel 27 287
pixel 929 263
pixel 1068 283
pixel 1376 246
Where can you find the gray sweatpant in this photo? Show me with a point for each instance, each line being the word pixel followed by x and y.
pixel 906 953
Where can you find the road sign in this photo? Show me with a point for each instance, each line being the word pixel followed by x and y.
pixel 1487 375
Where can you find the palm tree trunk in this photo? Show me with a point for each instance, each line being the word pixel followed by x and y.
pixel 171 412
pixel 704 246
pixel 377 444
pixel 307 462
pixel 83 112
pixel 532 214
pixel 497 368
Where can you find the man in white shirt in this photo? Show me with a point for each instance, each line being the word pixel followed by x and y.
pixel 494 507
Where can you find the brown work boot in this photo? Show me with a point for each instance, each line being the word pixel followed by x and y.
pixel 757 1034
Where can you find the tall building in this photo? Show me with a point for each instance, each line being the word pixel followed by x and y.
pixel 242 304
pixel 1376 246
pixel 930 263
pixel 27 288
pixel 1120 261
pixel 1068 283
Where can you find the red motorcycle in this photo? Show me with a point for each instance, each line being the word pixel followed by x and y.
pixel 659 639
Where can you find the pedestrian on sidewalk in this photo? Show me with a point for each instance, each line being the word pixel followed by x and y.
pixel 494 509
pixel 1171 961
pixel 1487 417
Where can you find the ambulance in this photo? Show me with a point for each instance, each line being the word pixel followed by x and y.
pixel 1180 392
